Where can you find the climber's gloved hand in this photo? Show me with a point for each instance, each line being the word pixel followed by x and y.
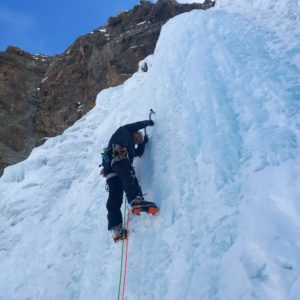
pixel 146 139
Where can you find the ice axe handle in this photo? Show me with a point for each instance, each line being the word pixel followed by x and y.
pixel 152 112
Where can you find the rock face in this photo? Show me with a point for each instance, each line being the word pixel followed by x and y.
pixel 42 96
pixel 20 75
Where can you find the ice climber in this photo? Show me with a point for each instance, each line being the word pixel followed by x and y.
pixel 125 144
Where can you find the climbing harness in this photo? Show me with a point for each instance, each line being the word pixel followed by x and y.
pixel 118 153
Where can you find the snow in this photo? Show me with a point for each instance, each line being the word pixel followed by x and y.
pixel 279 17
pixel 44 79
pixel 188 1
pixel 222 163
pixel 141 23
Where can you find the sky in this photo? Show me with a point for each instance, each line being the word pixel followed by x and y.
pixel 49 27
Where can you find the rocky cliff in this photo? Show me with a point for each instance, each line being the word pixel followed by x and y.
pixel 41 96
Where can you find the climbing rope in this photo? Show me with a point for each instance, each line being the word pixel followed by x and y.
pixel 126 256
pixel 122 255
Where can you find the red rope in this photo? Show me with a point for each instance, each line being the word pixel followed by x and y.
pixel 126 256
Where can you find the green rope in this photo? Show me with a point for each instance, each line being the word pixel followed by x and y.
pixel 122 257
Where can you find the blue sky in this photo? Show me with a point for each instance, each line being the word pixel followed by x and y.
pixel 49 27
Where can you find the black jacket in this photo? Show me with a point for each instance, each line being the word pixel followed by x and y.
pixel 124 136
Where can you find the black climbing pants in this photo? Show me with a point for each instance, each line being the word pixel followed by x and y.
pixel 125 180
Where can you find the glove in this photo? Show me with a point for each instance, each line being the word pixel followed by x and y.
pixel 146 139
pixel 151 122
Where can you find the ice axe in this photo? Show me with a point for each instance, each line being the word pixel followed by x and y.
pixel 152 112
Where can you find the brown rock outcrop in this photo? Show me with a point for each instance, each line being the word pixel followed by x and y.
pixel 20 75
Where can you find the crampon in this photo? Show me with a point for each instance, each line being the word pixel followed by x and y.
pixel 151 210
